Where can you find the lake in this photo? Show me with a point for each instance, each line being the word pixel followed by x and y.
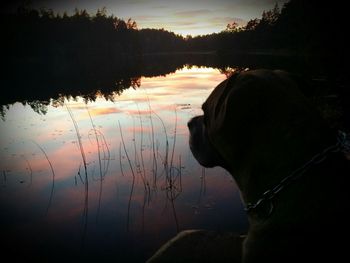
pixel 110 178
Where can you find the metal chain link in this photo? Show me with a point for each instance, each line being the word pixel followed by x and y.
pixel 343 145
pixel 344 139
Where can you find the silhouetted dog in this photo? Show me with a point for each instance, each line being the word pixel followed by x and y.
pixel 286 161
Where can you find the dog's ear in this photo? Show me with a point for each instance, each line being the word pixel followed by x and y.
pixel 215 106
pixel 223 96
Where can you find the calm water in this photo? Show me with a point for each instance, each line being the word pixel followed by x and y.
pixel 111 180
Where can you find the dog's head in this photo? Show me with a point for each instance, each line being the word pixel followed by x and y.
pixel 257 122
pixel 201 144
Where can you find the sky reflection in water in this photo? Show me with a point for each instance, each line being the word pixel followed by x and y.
pixel 141 183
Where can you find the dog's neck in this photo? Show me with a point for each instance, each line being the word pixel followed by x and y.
pixel 311 207
pixel 266 166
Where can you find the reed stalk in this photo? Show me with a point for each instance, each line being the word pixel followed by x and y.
pixel 30 171
pixel 133 176
pixel 86 190
pixel 53 175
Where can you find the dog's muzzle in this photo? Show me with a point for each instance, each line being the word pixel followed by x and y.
pixel 200 145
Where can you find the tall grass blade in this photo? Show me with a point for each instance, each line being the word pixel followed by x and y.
pixel 53 175
pixel 133 177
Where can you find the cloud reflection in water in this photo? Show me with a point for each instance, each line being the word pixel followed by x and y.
pixel 170 191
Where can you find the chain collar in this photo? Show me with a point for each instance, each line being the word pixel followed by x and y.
pixel 342 145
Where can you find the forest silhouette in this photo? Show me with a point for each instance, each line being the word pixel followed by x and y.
pixel 299 27
pixel 47 54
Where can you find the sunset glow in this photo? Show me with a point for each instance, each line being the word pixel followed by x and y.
pixel 184 17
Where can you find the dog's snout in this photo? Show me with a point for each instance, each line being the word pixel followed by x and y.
pixel 191 122
pixel 195 121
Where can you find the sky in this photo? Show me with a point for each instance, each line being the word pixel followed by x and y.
pixel 184 17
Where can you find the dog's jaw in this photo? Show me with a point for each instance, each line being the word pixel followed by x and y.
pixel 200 145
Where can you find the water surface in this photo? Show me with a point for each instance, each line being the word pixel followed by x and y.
pixel 112 179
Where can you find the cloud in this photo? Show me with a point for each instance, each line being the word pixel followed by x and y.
pixel 103 111
pixel 185 23
pixel 223 21
pixel 192 13
pixel 146 17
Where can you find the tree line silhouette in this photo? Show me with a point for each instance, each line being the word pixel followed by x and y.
pixel 46 54
pixel 303 27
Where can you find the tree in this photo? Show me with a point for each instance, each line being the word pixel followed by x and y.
pixel 101 13
pixel 232 27
pixel 131 24
pixel 270 17
pixel 252 24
